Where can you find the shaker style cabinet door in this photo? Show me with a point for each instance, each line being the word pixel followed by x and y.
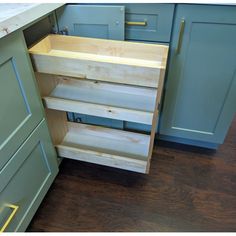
pixel 200 98
pixel 25 180
pixel 92 21
pixel 20 105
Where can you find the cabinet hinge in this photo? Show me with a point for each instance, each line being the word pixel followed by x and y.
pixel 64 31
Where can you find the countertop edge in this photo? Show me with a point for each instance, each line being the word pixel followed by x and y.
pixel 26 17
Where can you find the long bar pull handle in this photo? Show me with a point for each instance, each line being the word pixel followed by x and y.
pixel 136 23
pixel 180 39
pixel 11 216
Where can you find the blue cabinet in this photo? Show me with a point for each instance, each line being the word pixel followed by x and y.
pixel 92 21
pixel 116 21
pixel 200 97
pixel 199 91
pixel 25 180
pixel 28 161
pixel 21 108
pixel 148 22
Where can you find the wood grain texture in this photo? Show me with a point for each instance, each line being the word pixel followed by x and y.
pixel 155 117
pixel 117 95
pixel 46 83
pixel 99 59
pixel 94 109
pixel 57 120
pixel 105 146
pixel 103 47
pixel 120 62
pixel 102 158
pixel 57 124
pixel 188 189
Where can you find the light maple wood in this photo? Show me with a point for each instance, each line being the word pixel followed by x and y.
pixel 95 70
pixel 114 95
pixel 112 79
pixel 121 149
pixel 46 83
pixel 130 103
pixel 57 123
pixel 155 119
pixel 97 59
pixel 103 47
pixel 107 87
pixel 101 158
pixel 98 110
pixel 57 120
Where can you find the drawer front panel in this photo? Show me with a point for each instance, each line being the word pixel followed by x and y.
pixel 20 106
pixel 148 22
pixel 102 71
pixel 26 178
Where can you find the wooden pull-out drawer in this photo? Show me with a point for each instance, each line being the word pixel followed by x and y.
pixel 98 59
pixel 105 78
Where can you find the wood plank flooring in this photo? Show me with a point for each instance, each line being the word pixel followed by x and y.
pixel 188 189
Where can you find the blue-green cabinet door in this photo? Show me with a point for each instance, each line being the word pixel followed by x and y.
pixel 20 106
pixel 95 21
pixel 157 19
pixel 200 96
pixel 26 178
pixel 92 21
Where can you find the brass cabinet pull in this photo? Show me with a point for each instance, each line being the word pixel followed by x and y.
pixel 181 32
pixel 137 23
pixel 8 221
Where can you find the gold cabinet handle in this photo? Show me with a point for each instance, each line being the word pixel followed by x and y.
pixel 136 23
pixel 11 216
pixel 181 32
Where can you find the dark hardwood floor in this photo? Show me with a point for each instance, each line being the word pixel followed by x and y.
pixel 188 189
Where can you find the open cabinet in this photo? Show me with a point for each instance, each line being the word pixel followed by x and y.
pixel 106 78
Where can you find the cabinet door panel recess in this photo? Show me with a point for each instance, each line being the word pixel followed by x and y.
pixel 200 92
pixel 103 21
pixel 21 110
pixel 105 78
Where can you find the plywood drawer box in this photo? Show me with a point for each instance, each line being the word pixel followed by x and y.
pixel 106 78
pixel 98 59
